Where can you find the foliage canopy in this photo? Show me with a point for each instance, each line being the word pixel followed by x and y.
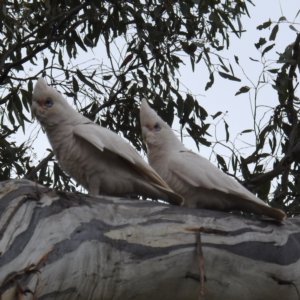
pixel 144 43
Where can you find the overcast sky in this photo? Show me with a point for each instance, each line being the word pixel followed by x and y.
pixel 221 97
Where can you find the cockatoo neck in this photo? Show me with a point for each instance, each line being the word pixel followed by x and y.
pixel 168 143
pixel 67 117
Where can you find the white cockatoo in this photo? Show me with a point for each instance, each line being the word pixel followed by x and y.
pixel 97 158
pixel 201 183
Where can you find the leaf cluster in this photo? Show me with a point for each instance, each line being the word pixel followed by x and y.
pixel 47 38
pixel 271 170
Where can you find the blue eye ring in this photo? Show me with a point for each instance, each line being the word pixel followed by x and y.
pixel 156 127
pixel 48 102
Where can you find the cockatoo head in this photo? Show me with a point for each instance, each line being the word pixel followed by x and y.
pixel 156 133
pixel 49 106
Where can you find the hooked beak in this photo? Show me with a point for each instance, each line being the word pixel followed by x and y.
pixel 145 130
pixel 35 105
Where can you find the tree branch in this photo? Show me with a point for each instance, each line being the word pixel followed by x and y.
pixel 39 166
pixel 48 41
pixel 292 116
pixel 285 163
pixel 134 249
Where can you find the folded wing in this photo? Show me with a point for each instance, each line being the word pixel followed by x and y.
pixel 103 138
pixel 197 171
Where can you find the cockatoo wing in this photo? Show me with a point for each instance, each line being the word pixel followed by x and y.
pixel 103 138
pixel 201 183
pixel 197 171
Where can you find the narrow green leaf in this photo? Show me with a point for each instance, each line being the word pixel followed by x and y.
pixel 75 85
pixel 26 98
pixel 264 25
pixel 144 79
pixel 260 43
pixel 221 162
pixel 88 42
pixel 242 90
pixel 263 190
pixel 4 9
pixel 199 57
pixel 216 115
pixel 180 105
pixel 78 40
pixel 169 116
pixel 16 6
pixel 274 143
pixel 293 28
pixel 205 50
pixel 60 60
pixel 19 169
pixel 227 76
pixel 69 46
pixel 221 60
pixel 234 163
pixel 45 62
pixel 271 144
pixel 204 142
pixel 246 131
pixel 267 49
pixel 192 48
pixel 87 82
pixel 192 63
pixel 189 104
pixel 231 69
pixel 203 112
pixel 240 25
pixel 236 59
pixel 273 71
pixel 226 130
pixel 273 33
pixel 107 77
pixel 211 81
pixel 224 68
pixel 244 168
pixel 283 18
pixel 253 59
pixel 227 21
pixel 30 86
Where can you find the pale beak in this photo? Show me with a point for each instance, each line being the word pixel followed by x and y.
pixel 145 130
pixel 34 107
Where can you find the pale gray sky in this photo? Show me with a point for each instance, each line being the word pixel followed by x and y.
pixel 221 96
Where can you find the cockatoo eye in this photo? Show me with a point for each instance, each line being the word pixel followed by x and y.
pixel 48 102
pixel 157 127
